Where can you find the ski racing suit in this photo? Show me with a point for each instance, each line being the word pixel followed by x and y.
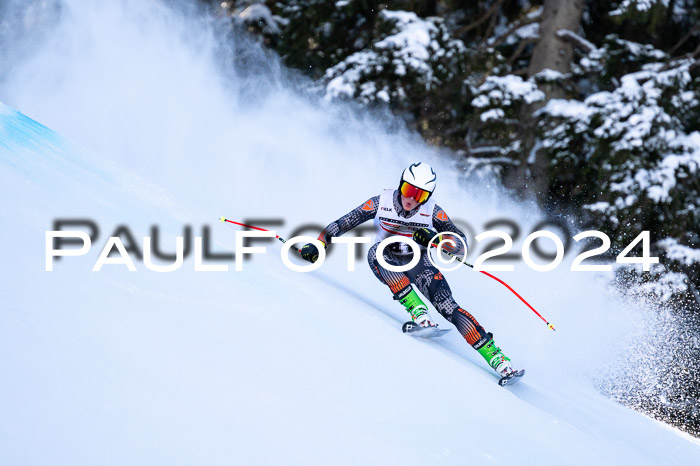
pixel 390 218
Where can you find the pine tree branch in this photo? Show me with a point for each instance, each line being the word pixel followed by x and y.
pixel 690 34
pixel 673 61
pixel 489 30
pixel 575 39
pixel 528 20
pixel 519 50
pixel 491 11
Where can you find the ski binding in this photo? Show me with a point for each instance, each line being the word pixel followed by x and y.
pixel 417 331
pixel 511 378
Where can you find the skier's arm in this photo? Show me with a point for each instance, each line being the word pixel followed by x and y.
pixel 357 216
pixel 347 222
pixel 442 224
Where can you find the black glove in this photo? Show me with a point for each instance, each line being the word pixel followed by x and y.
pixel 310 252
pixel 422 236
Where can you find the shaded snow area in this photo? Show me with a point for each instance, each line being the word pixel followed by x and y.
pixel 264 366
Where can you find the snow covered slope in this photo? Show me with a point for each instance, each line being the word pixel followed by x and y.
pixel 118 367
pixel 264 366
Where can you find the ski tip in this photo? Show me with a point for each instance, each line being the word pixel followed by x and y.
pixel 223 219
pixel 408 326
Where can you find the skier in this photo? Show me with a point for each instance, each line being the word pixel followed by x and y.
pixel 410 211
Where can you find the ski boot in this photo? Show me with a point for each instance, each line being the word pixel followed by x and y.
pixel 415 307
pixel 494 357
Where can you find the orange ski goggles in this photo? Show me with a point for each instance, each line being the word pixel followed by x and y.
pixel 408 190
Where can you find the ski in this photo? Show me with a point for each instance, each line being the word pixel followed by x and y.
pixel 417 331
pixel 511 378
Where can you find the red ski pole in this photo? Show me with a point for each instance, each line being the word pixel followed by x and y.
pixel 502 283
pixel 223 219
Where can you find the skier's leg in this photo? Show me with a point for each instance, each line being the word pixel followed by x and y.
pixel 400 286
pixel 396 281
pixel 432 284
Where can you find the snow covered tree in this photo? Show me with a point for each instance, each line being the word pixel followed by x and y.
pixel 410 57
pixel 631 158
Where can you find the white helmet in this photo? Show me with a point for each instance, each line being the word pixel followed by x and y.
pixel 418 175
